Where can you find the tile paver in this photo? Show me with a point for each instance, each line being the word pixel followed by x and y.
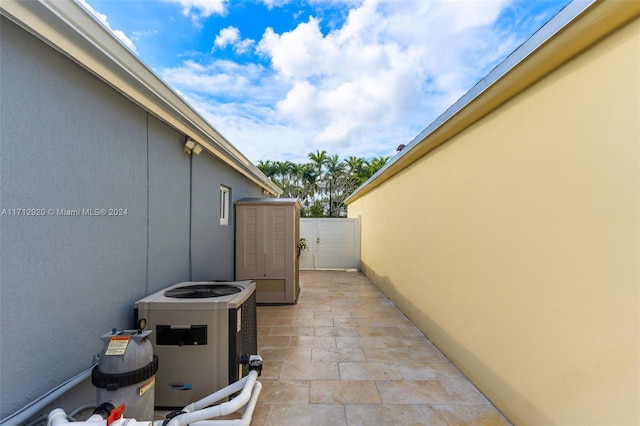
pixel 345 355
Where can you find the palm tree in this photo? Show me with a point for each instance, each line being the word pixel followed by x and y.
pixel 318 159
pixel 318 162
pixel 324 182
pixel 354 165
pixel 267 167
pixel 296 178
pixel 373 165
pixel 334 170
pixel 284 176
pixel 308 177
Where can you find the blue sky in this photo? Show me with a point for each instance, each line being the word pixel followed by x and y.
pixel 282 78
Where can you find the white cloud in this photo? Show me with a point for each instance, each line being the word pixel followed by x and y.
pixel 103 19
pixel 226 37
pixel 230 36
pixel 275 3
pixel 201 9
pixel 244 84
pixel 138 35
pixel 376 68
pixel 360 89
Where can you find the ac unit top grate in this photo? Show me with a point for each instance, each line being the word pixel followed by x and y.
pixel 198 296
pixel 201 291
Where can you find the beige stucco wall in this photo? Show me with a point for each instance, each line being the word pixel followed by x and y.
pixel 515 245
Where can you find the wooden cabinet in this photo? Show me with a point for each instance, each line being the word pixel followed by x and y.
pixel 267 233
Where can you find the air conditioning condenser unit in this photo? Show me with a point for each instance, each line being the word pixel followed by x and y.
pixel 200 331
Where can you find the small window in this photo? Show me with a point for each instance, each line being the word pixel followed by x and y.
pixel 224 204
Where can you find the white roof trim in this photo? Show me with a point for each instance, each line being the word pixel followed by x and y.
pixel 70 29
pixel 527 62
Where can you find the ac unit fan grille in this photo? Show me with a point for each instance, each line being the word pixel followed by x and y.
pixel 201 291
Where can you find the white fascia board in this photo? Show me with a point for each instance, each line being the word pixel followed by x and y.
pixel 70 29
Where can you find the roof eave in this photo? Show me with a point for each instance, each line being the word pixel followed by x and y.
pixel 70 29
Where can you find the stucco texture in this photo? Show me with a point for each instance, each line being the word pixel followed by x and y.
pixel 515 246
pixel 70 142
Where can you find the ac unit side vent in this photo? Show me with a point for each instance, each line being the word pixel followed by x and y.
pixel 195 335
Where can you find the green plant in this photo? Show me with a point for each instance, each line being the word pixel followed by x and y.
pixel 302 245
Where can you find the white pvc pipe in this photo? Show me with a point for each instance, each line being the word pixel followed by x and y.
pixel 222 393
pixel 246 418
pixel 76 410
pixel 199 413
pixel 58 418
pixel 218 410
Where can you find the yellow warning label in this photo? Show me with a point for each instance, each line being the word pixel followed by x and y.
pixel 117 345
pixel 142 389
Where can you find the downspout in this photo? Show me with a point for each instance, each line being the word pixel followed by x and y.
pixel 146 285
pixel 190 215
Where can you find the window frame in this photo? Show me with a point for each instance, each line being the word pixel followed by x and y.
pixel 225 201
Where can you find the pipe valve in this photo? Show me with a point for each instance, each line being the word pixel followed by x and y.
pixel 253 361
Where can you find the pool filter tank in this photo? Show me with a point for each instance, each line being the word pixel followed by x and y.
pixel 126 372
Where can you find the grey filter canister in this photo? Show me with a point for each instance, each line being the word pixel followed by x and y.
pixel 126 373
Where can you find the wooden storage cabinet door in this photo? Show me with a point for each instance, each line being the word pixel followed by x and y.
pixel 278 235
pixel 249 243
pixel 267 232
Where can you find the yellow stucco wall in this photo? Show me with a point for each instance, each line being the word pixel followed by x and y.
pixel 515 245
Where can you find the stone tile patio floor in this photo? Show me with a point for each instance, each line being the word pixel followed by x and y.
pixel 345 355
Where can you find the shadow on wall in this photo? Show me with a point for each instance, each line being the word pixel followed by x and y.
pixel 456 351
